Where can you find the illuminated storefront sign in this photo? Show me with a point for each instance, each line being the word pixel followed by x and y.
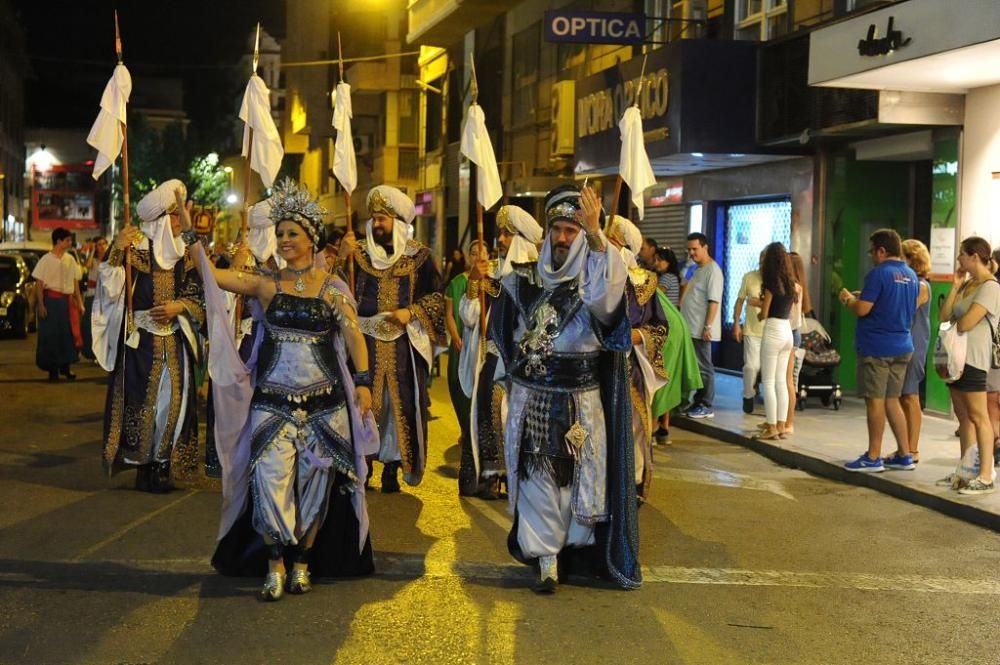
pixel 594 27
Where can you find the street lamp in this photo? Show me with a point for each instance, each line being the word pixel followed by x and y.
pixel 231 199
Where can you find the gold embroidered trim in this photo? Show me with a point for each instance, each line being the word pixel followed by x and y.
pixel 644 283
pixel 429 310
pixel 174 370
pixel 653 338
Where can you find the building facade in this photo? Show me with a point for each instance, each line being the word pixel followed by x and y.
pixel 13 68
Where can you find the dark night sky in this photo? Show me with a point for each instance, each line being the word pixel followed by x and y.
pixel 70 45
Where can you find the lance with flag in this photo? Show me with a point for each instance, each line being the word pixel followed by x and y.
pixel 345 166
pixel 478 148
pixel 634 168
pixel 261 142
pixel 109 135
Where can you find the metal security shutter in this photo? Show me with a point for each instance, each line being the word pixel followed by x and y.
pixel 667 225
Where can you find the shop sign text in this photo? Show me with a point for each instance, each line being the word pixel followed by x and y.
pixel 594 27
pixel 600 111
pixel 872 45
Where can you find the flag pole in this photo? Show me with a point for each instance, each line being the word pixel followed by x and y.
pixel 347 194
pixel 245 227
pixel 126 194
pixel 246 181
pixel 474 89
pixel 619 180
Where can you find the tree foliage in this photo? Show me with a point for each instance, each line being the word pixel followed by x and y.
pixel 157 156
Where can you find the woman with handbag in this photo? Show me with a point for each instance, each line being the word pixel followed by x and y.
pixel 973 305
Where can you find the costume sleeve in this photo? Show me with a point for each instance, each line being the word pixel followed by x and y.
pixel 108 314
pixel 428 305
pixel 191 295
pixel 654 334
pixel 603 285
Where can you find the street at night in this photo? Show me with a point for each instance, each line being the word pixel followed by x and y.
pixel 743 562
pixel 498 332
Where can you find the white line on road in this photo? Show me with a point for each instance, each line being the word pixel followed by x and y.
pixel 407 566
pixel 132 525
pixel 721 478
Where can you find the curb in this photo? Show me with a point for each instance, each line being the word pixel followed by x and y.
pixel 967 512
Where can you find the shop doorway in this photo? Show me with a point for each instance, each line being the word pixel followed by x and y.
pixel 749 228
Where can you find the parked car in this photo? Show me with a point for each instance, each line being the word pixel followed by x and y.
pixel 33 250
pixel 17 295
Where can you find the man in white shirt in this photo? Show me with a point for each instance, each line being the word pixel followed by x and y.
pixel 58 295
pixel 700 308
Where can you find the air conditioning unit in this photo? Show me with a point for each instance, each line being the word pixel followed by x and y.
pixel 562 134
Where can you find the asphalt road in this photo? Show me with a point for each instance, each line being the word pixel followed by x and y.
pixel 745 562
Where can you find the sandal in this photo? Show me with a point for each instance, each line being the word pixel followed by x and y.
pixel 767 436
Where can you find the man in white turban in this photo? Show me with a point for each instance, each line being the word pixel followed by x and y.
pixel 518 238
pixel 147 311
pixel 401 313
pixel 561 329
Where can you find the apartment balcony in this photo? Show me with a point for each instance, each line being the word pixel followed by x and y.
pixel 446 21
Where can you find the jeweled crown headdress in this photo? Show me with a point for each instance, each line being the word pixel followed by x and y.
pixel 293 202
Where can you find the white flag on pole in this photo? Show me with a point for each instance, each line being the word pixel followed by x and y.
pixel 345 167
pixel 477 147
pixel 106 135
pixel 634 165
pixel 256 113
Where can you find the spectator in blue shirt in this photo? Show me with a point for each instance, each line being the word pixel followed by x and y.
pixel 885 311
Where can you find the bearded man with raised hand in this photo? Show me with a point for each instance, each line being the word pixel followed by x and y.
pixel 562 331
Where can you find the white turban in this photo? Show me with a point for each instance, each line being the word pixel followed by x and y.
pixel 261 237
pixel 153 209
pixel 160 201
pixel 392 202
pixel 624 231
pixel 527 234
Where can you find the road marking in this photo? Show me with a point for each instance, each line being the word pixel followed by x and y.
pixel 132 525
pixel 721 478
pixel 413 566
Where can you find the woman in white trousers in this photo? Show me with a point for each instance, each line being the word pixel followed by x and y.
pixel 780 293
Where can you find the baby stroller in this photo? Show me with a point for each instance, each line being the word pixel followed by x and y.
pixel 818 366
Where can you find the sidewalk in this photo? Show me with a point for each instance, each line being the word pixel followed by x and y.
pixel 824 439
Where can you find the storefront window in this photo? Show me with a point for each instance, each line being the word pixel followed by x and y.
pixel 761 19
pixel 750 228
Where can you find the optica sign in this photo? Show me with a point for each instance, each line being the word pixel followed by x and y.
pixel 594 27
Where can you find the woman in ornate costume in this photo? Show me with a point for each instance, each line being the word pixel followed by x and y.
pixel 292 477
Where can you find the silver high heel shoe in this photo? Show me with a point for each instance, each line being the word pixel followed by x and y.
pixel 299 582
pixel 273 589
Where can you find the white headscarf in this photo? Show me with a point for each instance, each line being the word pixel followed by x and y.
pixel 380 259
pixel 153 210
pixel 622 230
pixel 528 233
pixel 396 204
pixel 261 239
pixel 571 269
